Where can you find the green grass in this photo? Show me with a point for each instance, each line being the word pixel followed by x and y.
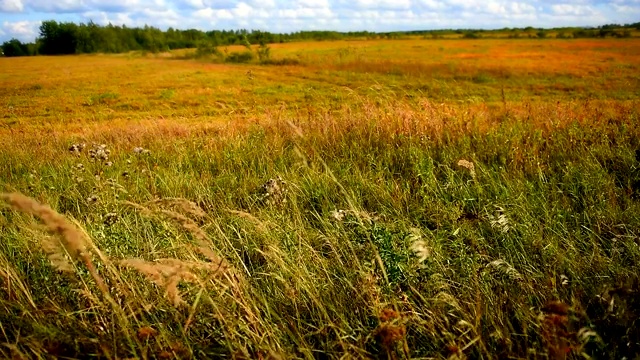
pixel 377 243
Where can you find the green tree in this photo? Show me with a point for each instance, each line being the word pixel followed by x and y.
pixel 58 38
pixel 14 47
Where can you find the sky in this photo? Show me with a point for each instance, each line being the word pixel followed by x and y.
pixel 20 19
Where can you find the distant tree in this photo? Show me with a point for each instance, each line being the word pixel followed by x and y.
pixel 58 38
pixel 14 47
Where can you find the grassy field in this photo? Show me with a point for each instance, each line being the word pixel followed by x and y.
pixel 387 199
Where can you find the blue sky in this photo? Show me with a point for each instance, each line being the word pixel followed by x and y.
pixel 21 18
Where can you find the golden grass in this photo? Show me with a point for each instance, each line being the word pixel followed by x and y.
pixel 142 91
pixel 548 131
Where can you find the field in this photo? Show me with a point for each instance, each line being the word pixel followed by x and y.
pixel 390 199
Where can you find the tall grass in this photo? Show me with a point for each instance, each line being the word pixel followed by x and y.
pixel 398 230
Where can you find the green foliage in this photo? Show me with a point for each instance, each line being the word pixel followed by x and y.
pixel 167 94
pixel 286 61
pixel 264 53
pixel 239 57
pixel 58 38
pixel 15 47
pixel 100 99
pixel 70 38
pixel 483 78
pixel 206 50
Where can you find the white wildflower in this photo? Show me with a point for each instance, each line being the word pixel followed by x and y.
pixel 469 166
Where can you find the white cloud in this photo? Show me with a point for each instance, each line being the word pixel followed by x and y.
pixel 104 18
pixel 196 4
pixel 59 6
pixel 341 15
pixel 567 9
pixel 213 14
pixel 382 4
pixel 159 18
pixel 432 4
pixel 312 3
pixel 11 6
pixel 306 13
pixel 221 4
pixel 264 4
pixel 25 31
pixel 242 10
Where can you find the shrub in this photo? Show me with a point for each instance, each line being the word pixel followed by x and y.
pixel 206 49
pixel 240 57
pixel 264 52
pixel 282 62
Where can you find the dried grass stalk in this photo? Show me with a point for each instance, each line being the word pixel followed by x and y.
pixel 12 283
pixel 168 273
pixel 505 268
pixel 71 240
pixel 187 224
pixel 186 206
pixel 260 225
pixel 55 254
pixel 202 239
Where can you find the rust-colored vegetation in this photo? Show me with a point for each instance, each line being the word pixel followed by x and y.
pixel 411 198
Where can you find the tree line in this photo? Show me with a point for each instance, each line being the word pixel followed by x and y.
pixel 58 38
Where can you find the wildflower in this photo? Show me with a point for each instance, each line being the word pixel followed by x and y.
pixel 390 333
pixel 110 218
pixel 76 148
pixel 99 152
pixel 421 250
pixel 503 267
pixel 274 191
pixel 145 333
pixel 500 220
pixel 469 166
pixel 419 247
pixel 338 215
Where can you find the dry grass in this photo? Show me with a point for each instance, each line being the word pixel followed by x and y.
pixel 71 242
pixel 439 204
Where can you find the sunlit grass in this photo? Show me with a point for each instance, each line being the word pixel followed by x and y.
pixel 381 199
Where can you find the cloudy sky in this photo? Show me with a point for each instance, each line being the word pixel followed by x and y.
pixel 21 18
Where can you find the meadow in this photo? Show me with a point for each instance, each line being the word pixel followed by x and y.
pixel 393 199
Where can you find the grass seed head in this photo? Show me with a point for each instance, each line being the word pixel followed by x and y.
pixel 72 239
pixel 505 268
pixel 469 166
